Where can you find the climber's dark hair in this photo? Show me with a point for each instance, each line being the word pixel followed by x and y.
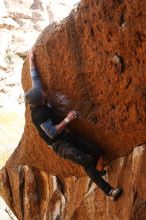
pixel 34 97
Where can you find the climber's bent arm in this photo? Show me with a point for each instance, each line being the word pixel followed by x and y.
pixel 60 127
pixel 53 130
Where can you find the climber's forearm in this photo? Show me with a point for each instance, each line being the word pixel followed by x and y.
pixel 34 74
pixel 35 79
pixel 54 130
pixel 60 127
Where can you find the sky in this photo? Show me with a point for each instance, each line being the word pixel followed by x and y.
pixel 74 1
pixel 67 2
pixel 61 8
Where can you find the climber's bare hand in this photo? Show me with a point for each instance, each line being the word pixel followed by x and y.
pixel 72 115
pixel 31 53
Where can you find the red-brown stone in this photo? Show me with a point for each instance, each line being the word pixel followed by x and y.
pixel 93 62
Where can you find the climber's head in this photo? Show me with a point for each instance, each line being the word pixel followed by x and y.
pixel 35 97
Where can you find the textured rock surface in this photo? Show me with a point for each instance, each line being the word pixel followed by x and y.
pixel 33 194
pixel 92 61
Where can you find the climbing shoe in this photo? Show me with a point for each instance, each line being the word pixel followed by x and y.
pixel 115 193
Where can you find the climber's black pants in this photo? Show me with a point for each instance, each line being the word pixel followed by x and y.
pixel 84 153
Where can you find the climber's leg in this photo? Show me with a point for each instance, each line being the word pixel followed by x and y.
pixel 86 145
pixel 89 148
pixel 68 151
pixel 96 177
pixel 101 183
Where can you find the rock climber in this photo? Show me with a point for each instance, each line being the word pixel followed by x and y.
pixel 65 143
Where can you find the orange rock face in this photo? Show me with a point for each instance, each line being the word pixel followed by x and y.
pixel 93 62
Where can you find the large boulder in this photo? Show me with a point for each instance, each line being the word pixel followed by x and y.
pixel 93 62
